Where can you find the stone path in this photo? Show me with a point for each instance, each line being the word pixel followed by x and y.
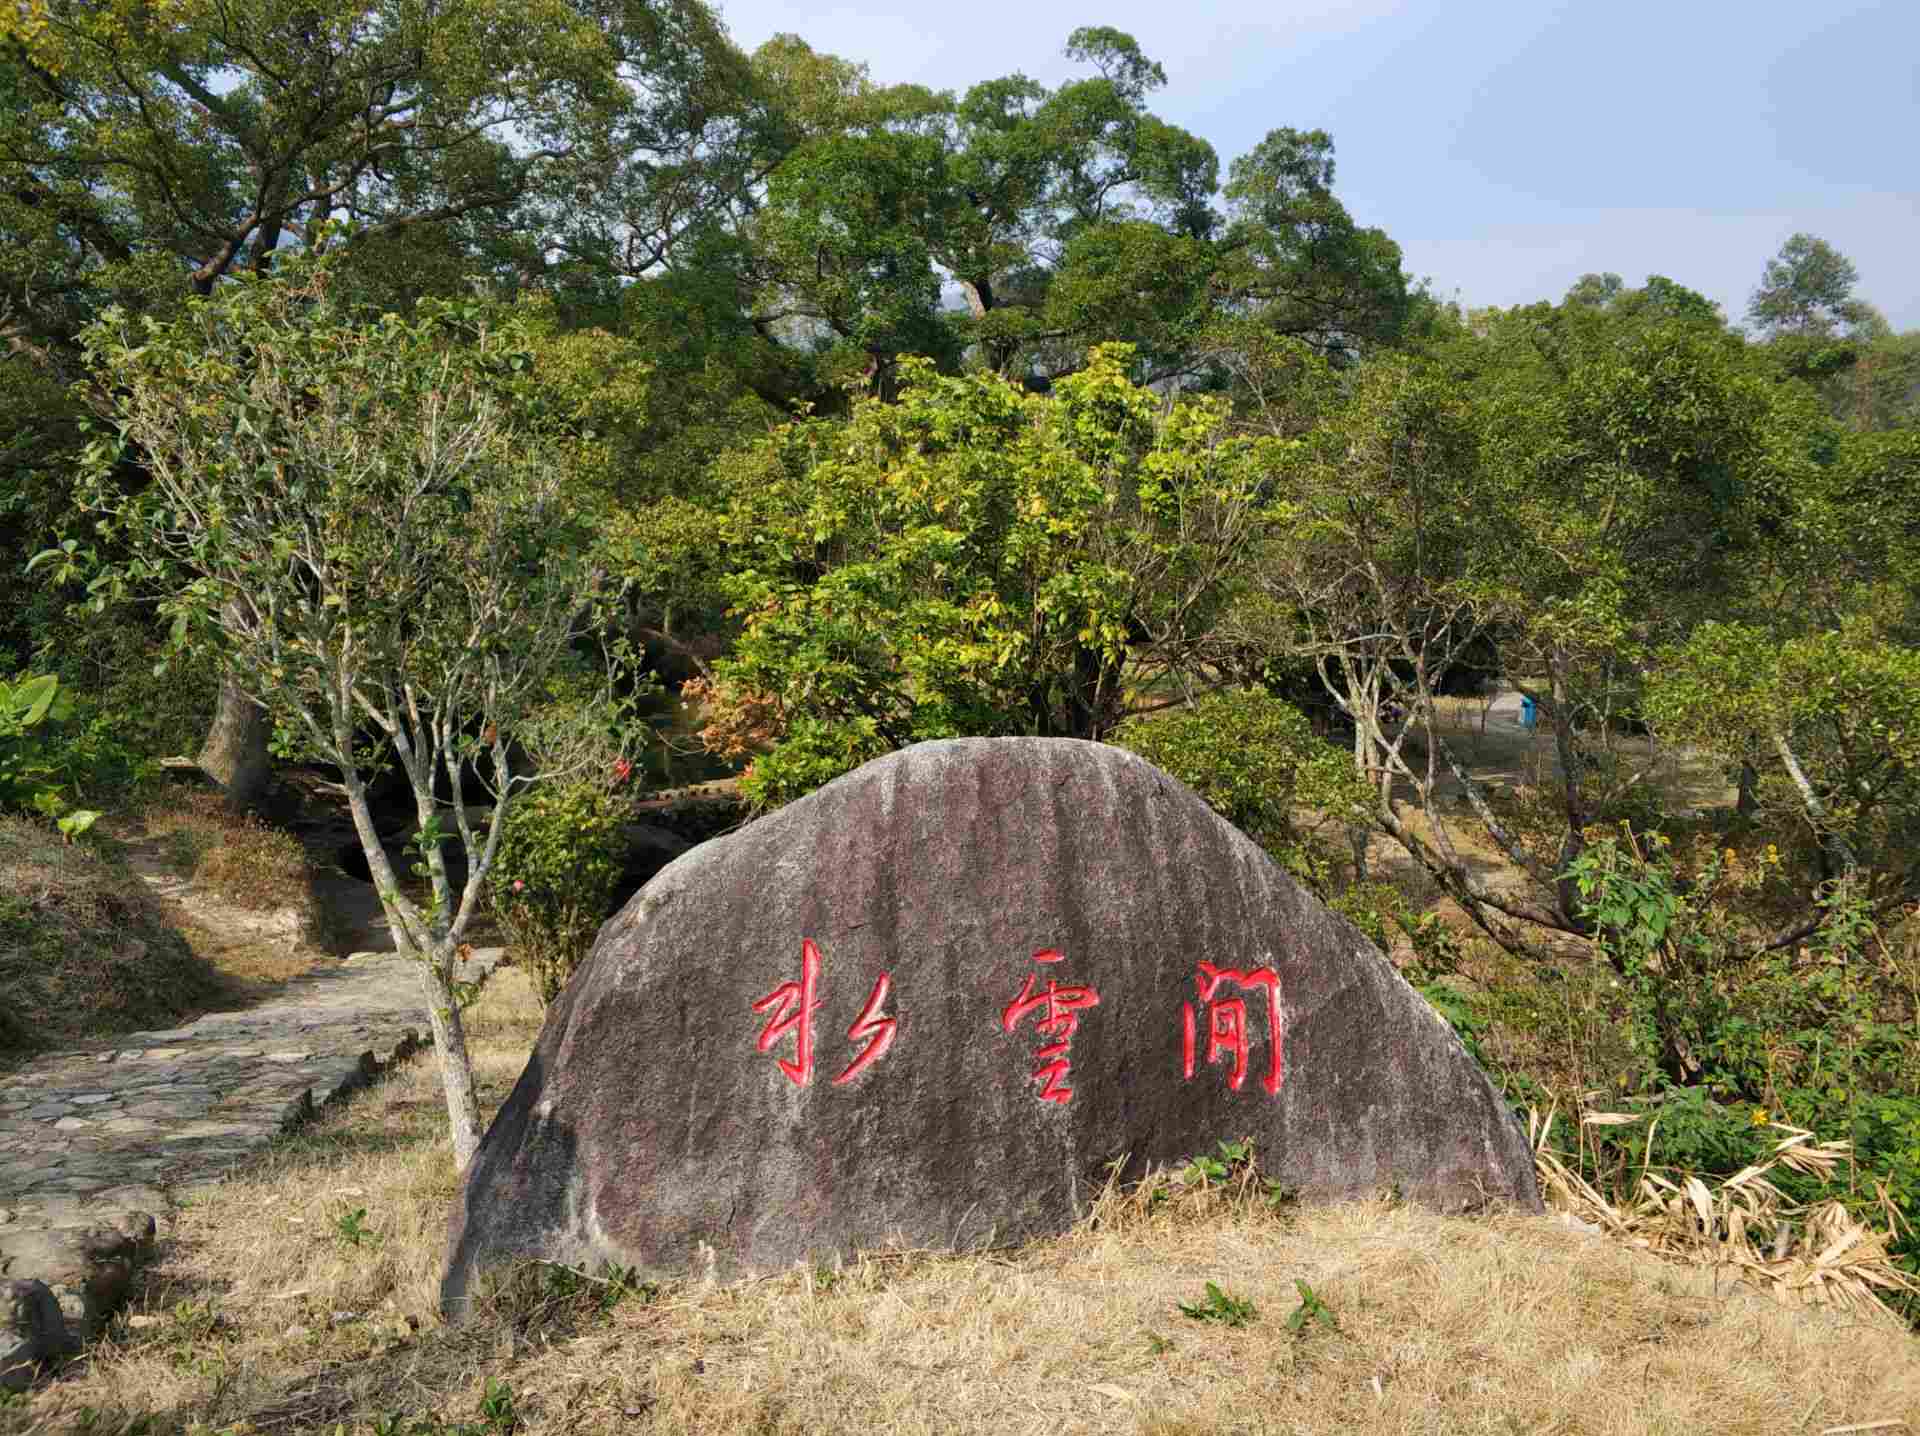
pixel 174 1108
pixel 95 1144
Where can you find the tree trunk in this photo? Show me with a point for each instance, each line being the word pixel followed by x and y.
pixel 437 957
pixel 235 753
pixel 456 1066
pixel 1573 792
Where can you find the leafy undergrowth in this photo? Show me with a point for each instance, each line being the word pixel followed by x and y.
pixel 301 1296
pixel 85 949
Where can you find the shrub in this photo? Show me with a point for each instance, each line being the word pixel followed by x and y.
pixel 55 754
pixel 813 753
pixel 1731 1035
pixel 1255 760
pixel 562 852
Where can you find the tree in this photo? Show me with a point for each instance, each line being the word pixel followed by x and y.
pixel 976 559
pixel 1806 290
pixel 1807 673
pixel 343 508
pixel 152 152
pixel 1813 328
pixel 1832 715
pixel 1379 571
pixel 1064 218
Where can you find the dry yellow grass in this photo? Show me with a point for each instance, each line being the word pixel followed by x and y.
pixel 261 1316
pixel 252 913
pixel 85 948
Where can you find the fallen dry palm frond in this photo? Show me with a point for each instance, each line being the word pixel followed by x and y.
pixel 1802 1254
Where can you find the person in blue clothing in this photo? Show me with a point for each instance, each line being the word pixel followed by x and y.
pixel 1527 714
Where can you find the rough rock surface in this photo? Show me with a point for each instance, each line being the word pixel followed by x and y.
pixel 63 1282
pixel 930 1005
pixel 33 1329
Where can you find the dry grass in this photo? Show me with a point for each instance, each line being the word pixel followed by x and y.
pixel 256 867
pixel 85 949
pixel 240 860
pixel 252 912
pixel 263 1317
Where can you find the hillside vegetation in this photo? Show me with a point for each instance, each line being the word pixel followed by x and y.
pixel 505 414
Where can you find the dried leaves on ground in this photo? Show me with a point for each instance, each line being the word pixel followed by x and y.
pixel 1818 1254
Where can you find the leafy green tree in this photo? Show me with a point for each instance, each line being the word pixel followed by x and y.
pixel 1065 218
pixel 1805 311
pixel 1807 290
pixel 150 153
pixel 1806 676
pixel 1381 570
pixel 1831 714
pixel 976 559
pixel 342 508
pixel 1649 463
pixel 1879 391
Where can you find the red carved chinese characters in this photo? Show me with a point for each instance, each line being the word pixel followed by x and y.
pixel 1059 1009
pixel 870 1024
pixel 793 1005
pixel 1227 1023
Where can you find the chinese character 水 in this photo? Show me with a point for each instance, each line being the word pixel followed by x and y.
pixel 793 1005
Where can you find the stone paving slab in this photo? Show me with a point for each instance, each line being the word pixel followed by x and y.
pixel 96 1144
pixel 172 1108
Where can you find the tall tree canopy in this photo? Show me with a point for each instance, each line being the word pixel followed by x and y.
pixel 1020 225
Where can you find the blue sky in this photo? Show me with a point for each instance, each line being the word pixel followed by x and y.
pixel 1508 147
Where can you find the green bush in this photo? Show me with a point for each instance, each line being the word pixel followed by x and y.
pixel 560 858
pixel 54 755
pixel 1730 1035
pixel 1255 760
pixel 813 753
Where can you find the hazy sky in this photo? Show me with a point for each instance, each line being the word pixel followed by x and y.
pixel 1509 147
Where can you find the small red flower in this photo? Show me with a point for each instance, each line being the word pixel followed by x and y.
pixel 622 770
pixel 518 885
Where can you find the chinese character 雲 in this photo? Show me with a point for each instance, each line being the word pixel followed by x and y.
pixel 1059 1008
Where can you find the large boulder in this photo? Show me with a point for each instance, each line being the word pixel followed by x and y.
pixel 931 1003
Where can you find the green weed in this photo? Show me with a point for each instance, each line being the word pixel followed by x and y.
pixel 1311 1310
pixel 1220 1307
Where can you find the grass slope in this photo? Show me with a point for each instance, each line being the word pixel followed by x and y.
pixel 100 937
pixel 301 1297
pixel 85 948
